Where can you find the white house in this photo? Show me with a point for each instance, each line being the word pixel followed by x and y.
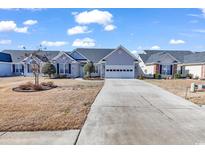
pixel 109 63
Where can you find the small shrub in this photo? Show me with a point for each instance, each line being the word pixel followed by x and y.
pixel 177 76
pixel 141 77
pixel 157 76
pixel 88 69
pixel 49 69
pixel 189 76
pixel 196 77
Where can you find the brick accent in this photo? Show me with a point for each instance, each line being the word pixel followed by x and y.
pixel 156 68
pixel 174 69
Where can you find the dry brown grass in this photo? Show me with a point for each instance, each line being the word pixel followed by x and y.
pixel 178 87
pixel 61 108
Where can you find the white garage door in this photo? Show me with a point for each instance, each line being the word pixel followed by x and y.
pixel 119 71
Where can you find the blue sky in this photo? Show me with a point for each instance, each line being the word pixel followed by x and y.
pixel 136 29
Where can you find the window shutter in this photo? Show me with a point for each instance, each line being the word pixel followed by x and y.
pixel 171 69
pixel 22 68
pixel 13 68
pixel 69 68
pixel 160 69
pixel 28 68
pixel 57 68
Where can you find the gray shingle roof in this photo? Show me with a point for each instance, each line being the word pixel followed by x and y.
pixel 153 56
pixel 94 54
pixel 4 57
pixel 198 57
pixel 19 55
pixel 144 57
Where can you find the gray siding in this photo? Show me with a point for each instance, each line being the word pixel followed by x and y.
pixel 119 57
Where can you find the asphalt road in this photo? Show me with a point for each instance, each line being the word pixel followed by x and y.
pixel 130 111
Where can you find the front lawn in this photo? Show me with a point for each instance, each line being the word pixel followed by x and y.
pixel 61 108
pixel 179 87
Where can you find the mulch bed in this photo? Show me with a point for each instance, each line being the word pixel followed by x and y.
pixel 18 89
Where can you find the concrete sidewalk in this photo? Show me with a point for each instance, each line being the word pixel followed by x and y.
pixel 134 112
pixel 39 137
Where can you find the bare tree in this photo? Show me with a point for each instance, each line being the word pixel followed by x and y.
pixel 36 71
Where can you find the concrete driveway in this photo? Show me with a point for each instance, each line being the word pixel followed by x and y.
pixel 134 112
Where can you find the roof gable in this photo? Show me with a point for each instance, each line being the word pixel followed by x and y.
pixel 123 49
pixel 63 57
pixel 161 57
pixel 177 54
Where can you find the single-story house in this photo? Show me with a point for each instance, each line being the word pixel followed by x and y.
pixel 195 64
pixel 109 63
pixel 163 62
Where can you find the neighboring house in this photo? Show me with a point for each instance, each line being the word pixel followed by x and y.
pixel 195 64
pixel 163 62
pixel 5 64
pixel 109 63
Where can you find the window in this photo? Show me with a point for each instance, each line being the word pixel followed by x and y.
pixel 166 69
pixel 61 68
pixel 107 70
pixel 66 68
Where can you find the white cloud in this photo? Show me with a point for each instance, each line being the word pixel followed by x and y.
pixel 173 41
pixel 5 42
pixel 30 22
pixel 109 27
pixel 21 30
pixel 86 42
pixel 94 16
pixel 8 26
pixel 199 30
pixel 78 30
pixel 53 44
pixel 155 47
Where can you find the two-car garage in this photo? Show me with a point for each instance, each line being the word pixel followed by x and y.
pixel 119 71
pixel 120 63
